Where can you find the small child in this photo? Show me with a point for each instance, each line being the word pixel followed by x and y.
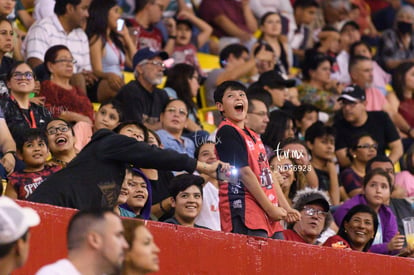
pixel 32 148
pixel 185 50
pixel 320 140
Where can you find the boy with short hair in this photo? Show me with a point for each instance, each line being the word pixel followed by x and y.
pixel 320 140
pixel 305 115
pixel 32 148
pixel 109 115
pixel 248 204
pixel 187 198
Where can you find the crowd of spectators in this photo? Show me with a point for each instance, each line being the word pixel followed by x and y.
pixel 311 100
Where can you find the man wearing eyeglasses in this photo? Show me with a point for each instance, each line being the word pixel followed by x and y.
pixel 313 206
pixel 257 115
pixel 141 99
pixel 356 119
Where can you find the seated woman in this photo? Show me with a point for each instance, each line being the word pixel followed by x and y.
pixel 61 98
pixel 377 187
pixel 18 111
pixel 283 168
pixel 357 230
pixel 142 254
pixel 362 148
pixel 61 141
pixel 173 120
pixel 318 88
pixel 6 45
pixel 403 85
pixel 111 49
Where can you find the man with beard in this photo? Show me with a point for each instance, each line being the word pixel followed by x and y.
pixel 96 245
pixel 141 100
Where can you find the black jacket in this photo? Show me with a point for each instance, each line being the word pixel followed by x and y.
pixel 94 178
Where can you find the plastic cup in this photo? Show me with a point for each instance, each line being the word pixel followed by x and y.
pixel 409 231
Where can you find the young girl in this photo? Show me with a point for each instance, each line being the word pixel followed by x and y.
pixel 376 192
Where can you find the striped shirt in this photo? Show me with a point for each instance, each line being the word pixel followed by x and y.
pixel 49 32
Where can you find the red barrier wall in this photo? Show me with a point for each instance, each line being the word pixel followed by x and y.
pixel 191 251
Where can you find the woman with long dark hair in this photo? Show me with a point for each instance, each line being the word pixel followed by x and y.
pixel 111 49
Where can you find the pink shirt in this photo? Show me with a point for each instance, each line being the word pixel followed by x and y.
pixel 406 180
pixel 375 99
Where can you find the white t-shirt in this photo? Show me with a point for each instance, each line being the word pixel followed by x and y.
pixel 61 267
pixel 209 215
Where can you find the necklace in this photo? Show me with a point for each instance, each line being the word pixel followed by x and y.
pixel 60 162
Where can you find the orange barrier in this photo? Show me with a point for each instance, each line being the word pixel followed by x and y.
pixel 191 251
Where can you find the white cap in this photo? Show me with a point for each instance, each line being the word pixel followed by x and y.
pixel 15 220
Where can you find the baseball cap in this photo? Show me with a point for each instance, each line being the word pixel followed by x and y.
pixel 147 53
pixel 310 196
pixel 275 80
pixel 353 93
pixel 15 220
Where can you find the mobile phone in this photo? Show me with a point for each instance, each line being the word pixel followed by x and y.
pixel 120 24
pixel 231 176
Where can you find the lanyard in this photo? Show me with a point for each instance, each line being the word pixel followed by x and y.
pixel 31 121
pixel 118 53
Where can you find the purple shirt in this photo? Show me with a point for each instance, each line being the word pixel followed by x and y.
pixel 388 222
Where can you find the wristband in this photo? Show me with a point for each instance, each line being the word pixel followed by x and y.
pixel 172 37
pixel 10 152
pixel 162 208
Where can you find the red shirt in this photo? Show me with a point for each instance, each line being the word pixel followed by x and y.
pixel 291 235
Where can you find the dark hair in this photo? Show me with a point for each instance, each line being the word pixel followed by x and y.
pixel 235 49
pixel 377 171
pixel 115 105
pixel 29 135
pixel 377 158
pixel 360 208
pixel 141 126
pixel 294 186
pixel 305 4
pixel 312 61
pixel 98 23
pixel 354 142
pixel 178 79
pixel 130 226
pixel 157 137
pixel 181 182
pixel 197 150
pixel 227 85
pixel 60 5
pixel 356 44
pixel 354 60
pixel 6 248
pixel 14 67
pixel 140 5
pixel 268 48
pixel 51 54
pixel 300 111
pixel 408 159
pixel 64 121
pixel 81 223
pixel 318 130
pixel 262 21
pixel 250 108
pixel 173 100
pixel 398 78
pixel 275 130
pixel 256 91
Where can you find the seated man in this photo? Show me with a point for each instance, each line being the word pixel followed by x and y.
pixel 15 227
pixel 257 115
pixel 141 100
pixel 315 217
pixel 187 197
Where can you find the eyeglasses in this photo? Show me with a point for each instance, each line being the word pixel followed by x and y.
pixel 312 212
pixel 174 110
pixel 53 130
pixel 368 146
pixel 22 75
pixel 6 32
pixel 155 63
pixel 70 61
pixel 261 113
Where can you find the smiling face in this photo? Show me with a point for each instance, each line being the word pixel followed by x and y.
pixel 187 205
pixel 207 153
pixel 60 137
pixel 107 117
pixel 234 106
pixel 125 188
pixel 6 37
pixel 22 80
pixel 174 117
pixel 143 255
pixel 285 168
pixel 34 153
pixel 377 191
pixel 360 229
pixel 138 193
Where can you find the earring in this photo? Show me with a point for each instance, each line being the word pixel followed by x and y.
pixel 354 156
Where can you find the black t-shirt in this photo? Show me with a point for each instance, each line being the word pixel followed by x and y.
pixel 323 178
pixel 378 124
pixel 231 147
pixel 160 190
